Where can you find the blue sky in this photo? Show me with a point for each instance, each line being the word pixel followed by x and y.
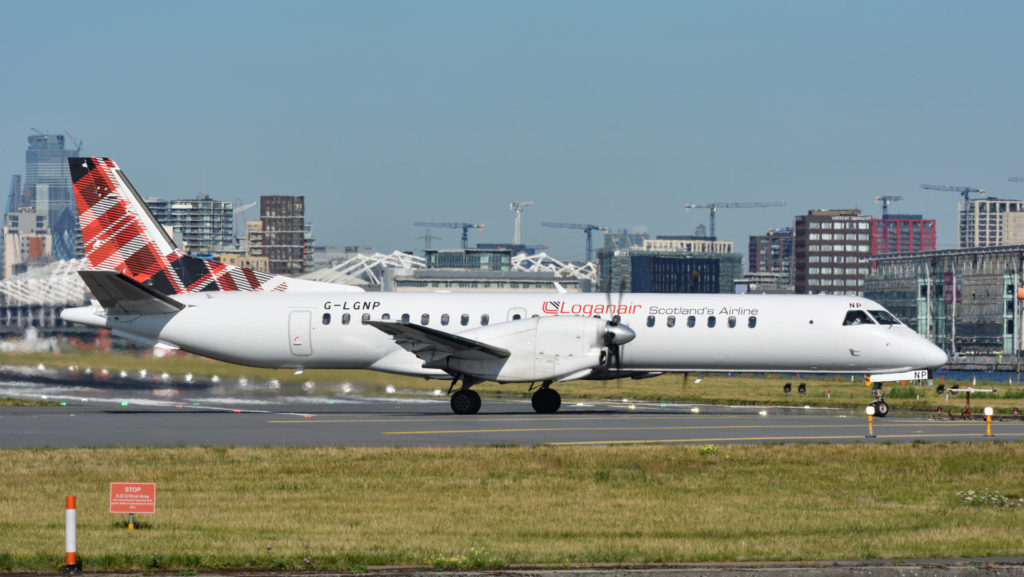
pixel 611 113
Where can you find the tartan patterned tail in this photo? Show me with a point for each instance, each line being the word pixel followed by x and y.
pixel 120 233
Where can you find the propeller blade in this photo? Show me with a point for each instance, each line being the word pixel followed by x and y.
pixel 616 334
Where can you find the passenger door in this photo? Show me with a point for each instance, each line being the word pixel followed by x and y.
pixel 299 333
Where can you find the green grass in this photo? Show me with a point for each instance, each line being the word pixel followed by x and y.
pixel 7 402
pixel 822 390
pixel 348 508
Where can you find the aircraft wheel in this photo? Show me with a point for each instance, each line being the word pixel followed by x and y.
pixel 881 408
pixel 546 401
pixel 465 402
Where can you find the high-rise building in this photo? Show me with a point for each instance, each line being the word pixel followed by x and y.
pixel 671 264
pixel 48 187
pixel 202 225
pixel 902 233
pixel 282 235
pixel 26 241
pixel 986 222
pixel 829 247
pixel 16 198
pixel 686 244
pixel 771 252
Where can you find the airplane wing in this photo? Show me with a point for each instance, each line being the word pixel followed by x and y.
pixel 120 295
pixel 431 344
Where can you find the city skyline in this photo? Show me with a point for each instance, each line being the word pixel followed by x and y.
pixel 604 113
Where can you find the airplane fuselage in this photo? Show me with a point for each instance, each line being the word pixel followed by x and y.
pixel 674 333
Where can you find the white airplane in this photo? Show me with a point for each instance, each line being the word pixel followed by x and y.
pixel 147 290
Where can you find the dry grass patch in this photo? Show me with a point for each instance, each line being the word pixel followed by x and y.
pixel 331 508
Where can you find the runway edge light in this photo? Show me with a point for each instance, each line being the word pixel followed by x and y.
pixel 870 410
pixel 988 421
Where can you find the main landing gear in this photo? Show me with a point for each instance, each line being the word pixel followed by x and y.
pixel 546 399
pixel 466 401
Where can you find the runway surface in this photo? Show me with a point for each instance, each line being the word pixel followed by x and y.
pixel 135 413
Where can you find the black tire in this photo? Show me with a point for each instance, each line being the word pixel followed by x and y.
pixel 881 408
pixel 465 402
pixel 546 401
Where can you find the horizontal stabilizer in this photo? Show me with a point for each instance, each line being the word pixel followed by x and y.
pixel 120 295
pixel 430 344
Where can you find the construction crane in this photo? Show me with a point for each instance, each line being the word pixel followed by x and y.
pixel 965 191
pixel 1017 179
pixel 239 209
pixel 427 238
pixel 714 206
pixel 586 228
pixel 517 207
pixel 885 201
pixel 79 143
pixel 465 226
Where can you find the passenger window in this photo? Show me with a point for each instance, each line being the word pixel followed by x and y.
pixel 366 318
pixel 424 319
pixel 444 320
pixel 752 322
pixel 691 321
pixel 346 318
pixel 485 320
pixel 464 320
pixel 671 322
pixel 857 318
pixel 732 322
pixel 650 321
pixel 711 322
pixel 516 317
pixel 405 317
pixel 327 318
pixel 385 317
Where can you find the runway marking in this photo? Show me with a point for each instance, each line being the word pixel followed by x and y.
pixel 679 428
pixel 623 417
pixel 751 439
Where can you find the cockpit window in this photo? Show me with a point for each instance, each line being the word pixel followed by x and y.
pixel 884 318
pixel 857 318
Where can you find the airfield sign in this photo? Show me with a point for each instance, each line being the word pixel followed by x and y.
pixel 133 498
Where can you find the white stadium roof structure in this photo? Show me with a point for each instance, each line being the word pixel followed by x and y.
pixel 58 283
pixel 368 270
pixel 541 262
pixel 55 284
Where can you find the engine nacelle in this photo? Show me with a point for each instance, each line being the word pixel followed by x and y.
pixel 542 349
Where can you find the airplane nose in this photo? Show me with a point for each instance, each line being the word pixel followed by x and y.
pixel 934 357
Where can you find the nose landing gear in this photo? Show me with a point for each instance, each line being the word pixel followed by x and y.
pixel 881 407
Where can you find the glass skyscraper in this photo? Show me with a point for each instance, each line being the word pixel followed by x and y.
pixel 48 186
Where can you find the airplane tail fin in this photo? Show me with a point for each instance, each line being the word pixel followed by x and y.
pixel 119 233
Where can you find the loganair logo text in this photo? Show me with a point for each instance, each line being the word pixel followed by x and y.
pixel 564 308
